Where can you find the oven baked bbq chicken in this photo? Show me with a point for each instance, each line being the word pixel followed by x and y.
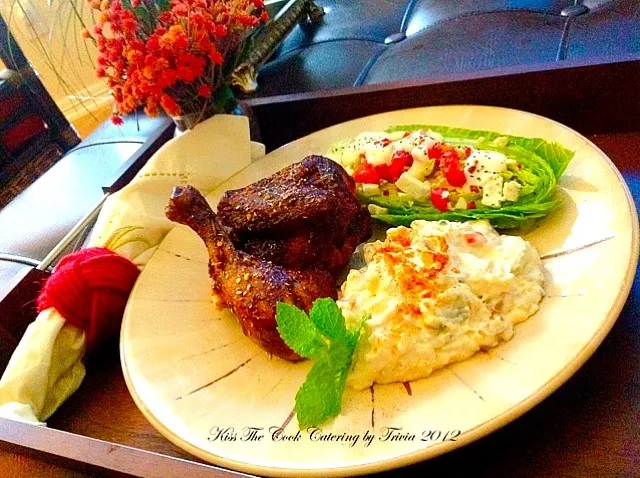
pixel 305 216
pixel 284 238
pixel 249 286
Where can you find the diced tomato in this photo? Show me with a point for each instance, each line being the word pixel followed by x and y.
pixel 435 151
pixel 438 150
pixel 474 189
pixel 403 157
pixel 448 159
pixel 471 205
pixel 366 174
pixel 455 177
pixel 400 162
pixel 474 239
pixel 440 199
pixel 450 165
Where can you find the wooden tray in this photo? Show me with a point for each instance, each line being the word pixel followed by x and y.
pixel 588 427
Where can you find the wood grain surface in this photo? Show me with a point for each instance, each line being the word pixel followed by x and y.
pixel 590 98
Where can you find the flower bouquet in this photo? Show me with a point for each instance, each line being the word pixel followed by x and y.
pixel 172 54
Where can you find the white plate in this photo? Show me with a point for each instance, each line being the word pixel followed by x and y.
pixel 190 369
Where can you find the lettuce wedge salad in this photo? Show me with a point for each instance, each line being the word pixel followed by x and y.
pixel 431 172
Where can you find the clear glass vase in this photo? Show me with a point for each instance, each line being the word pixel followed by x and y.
pixel 223 102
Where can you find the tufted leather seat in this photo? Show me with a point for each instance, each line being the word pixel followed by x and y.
pixel 361 42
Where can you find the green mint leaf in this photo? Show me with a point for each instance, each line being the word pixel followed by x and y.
pixel 323 336
pixel 327 317
pixel 320 397
pixel 298 331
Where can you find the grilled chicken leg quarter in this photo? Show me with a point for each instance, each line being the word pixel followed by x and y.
pixel 305 216
pixel 249 286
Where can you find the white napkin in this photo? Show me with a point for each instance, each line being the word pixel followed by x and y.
pixel 46 367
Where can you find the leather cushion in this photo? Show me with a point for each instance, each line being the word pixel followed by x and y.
pixel 443 37
pixel 39 217
pixel 8 270
pixel 477 42
pixel 427 13
pixel 372 20
pixel 136 128
pixel 610 28
pixel 321 66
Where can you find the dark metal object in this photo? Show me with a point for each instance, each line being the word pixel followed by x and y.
pixel 570 13
pixel 395 38
pixel 267 40
pixel 574 10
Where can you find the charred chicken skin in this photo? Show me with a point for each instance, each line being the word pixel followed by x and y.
pixel 248 285
pixel 305 216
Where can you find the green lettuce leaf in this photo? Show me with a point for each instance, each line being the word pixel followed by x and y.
pixel 542 163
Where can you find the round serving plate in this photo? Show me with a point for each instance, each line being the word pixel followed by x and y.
pixel 212 392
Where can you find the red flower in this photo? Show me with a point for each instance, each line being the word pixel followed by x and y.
pixel 117 120
pixel 167 78
pixel 170 106
pixel 190 67
pixel 216 57
pixel 204 91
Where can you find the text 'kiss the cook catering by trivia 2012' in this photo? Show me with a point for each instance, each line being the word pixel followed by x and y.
pixel 318 435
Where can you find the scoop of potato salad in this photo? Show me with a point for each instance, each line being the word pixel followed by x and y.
pixel 436 293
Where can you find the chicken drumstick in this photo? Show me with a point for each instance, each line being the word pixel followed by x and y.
pixel 249 286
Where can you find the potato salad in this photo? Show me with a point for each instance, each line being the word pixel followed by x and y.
pixel 436 293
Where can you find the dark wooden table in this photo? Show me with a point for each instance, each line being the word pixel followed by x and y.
pixel 590 427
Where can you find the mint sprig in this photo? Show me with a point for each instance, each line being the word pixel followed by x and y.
pixel 323 337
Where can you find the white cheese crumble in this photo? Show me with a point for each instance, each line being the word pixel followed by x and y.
pixel 483 170
pixel 511 191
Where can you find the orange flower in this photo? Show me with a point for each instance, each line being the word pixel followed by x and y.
pixel 85 33
pixel 176 36
pixel 150 58
pixel 152 109
pixel 148 72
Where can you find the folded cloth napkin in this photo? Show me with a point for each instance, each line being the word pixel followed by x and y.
pixel 46 367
